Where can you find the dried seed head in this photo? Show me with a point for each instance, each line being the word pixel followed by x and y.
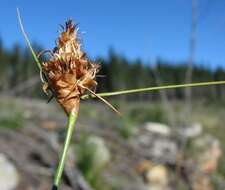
pixel 69 72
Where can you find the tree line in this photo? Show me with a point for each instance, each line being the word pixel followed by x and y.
pixel 19 75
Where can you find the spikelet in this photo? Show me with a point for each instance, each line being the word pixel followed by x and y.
pixel 69 73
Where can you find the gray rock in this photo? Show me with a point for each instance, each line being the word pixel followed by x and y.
pixel 158 128
pixel 157 146
pixel 191 131
pixel 9 177
pixel 101 153
pixel 164 150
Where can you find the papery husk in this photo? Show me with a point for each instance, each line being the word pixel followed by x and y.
pixel 69 73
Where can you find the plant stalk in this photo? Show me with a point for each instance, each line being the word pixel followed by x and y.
pixel 70 127
pixel 27 40
pixel 132 91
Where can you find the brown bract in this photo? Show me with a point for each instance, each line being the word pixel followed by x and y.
pixel 69 73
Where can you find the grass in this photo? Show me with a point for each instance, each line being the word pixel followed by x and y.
pixel 148 113
pixel 136 114
pixel 88 162
pixel 11 116
pixel 126 127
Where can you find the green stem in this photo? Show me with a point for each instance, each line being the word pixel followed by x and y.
pixel 122 92
pixel 70 127
pixel 28 41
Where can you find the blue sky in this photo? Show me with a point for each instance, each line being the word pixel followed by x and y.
pixel 143 29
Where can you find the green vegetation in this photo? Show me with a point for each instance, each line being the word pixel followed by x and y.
pixel 143 114
pixel 135 116
pixel 11 122
pixel 92 157
pixel 126 127
pixel 10 116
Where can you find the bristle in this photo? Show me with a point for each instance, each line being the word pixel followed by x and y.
pixel 69 70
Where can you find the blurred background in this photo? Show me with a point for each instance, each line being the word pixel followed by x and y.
pixel 166 140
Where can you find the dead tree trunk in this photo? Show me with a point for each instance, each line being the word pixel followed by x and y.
pixel 192 49
pixel 164 97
